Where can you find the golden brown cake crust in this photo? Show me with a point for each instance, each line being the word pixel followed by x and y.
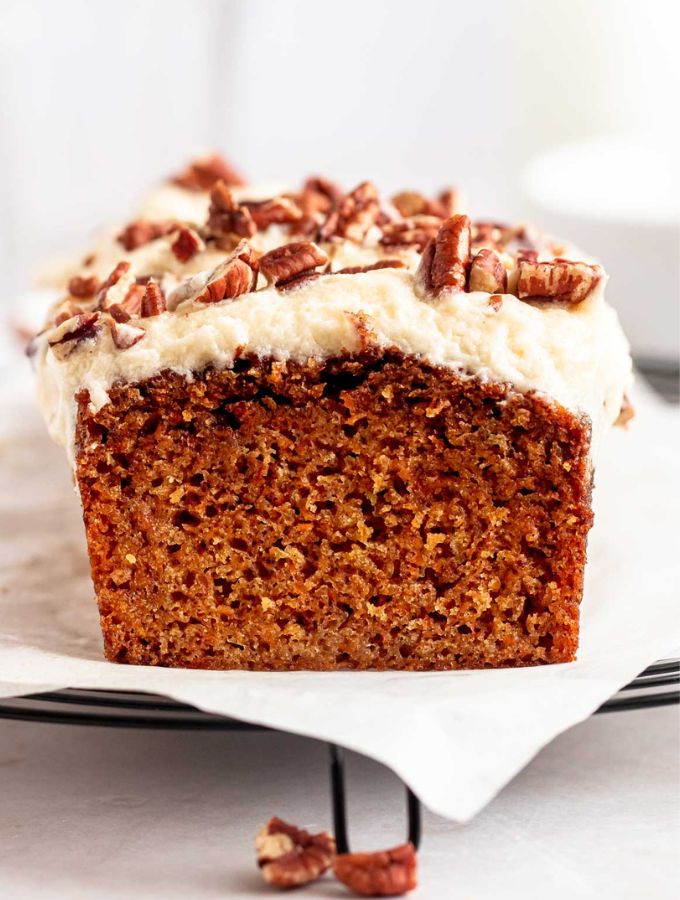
pixel 372 512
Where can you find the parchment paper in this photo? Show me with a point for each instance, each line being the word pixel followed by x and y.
pixel 456 738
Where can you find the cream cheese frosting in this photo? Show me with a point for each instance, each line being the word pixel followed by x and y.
pixel 575 356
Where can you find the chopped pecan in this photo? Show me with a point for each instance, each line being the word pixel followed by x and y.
pixel 382 874
pixel 236 275
pixel 129 306
pixel 626 413
pixel 381 264
pixel 187 244
pixel 277 211
pixel 65 311
pixel 495 301
pixel 316 200
pixel 413 203
pixel 74 331
pixel 83 286
pixel 290 856
pixel 356 212
pixel 121 269
pixel 487 273
pixel 153 301
pixel 530 256
pixel 414 232
pixel 125 336
pixel 446 259
pixel 293 259
pixel 202 174
pixel 136 234
pixel 291 284
pixel 226 216
pixel 559 280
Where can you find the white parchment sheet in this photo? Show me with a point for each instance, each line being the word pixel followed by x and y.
pixel 456 737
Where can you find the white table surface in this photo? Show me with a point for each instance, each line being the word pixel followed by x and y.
pixel 96 813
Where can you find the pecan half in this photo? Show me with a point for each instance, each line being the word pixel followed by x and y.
pixel 83 286
pixel 487 273
pixel 202 174
pixel 153 301
pixel 73 332
pixel 226 216
pixel 291 284
pixel 559 280
pixel 383 874
pixel 290 856
pixel 413 232
pixel 381 264
pixel 136 234
pixel 293 259
pixel 277 211
pixel 356 212
pixel 187 244
pixel 125 336
pixel 446 259
pixel 236 275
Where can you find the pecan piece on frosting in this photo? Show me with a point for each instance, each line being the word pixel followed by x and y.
pixel 381 264
pixel 187 244
pixel 129 306
pixel 355 213
pixel 153 300
pixel 119 271
pixel 141 232
pixel 558 280
pixel 382 874
pixel 236 275
pixel 290 260
pixel 413 232
pixel 626 413
pixel 226 216
pixel 125 336
pixel 277 211
pixel 290 856
pixel 72 332
pixel 83 286
pixel 413 203
pixel 317 199
pixel 487 273
pixel 202 174
pixel 446 259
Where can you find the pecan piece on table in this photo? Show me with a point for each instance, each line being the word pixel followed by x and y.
pixel 202 174
pixel 487 273
pixel 413 232
pixel 290 856
pixel 558 280
pixel 290 260
pixel 381 264
pixel 187 244
pixel 277 211
pixel 83 286
pixel 226 216
pixel 236 275
pixel 141 232
pixel 125 336
pixel 446 259
pixel 153 300
pixel 74 331
pixel 355 213
pixel 382 874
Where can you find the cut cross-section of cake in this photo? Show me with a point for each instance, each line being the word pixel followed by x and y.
pixel 368 443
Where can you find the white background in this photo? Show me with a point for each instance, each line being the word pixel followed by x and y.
pixel 97 100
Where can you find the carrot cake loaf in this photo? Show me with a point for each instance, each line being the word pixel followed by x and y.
pixel 318 430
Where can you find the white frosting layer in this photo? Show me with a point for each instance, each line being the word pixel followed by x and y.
pixel 577 357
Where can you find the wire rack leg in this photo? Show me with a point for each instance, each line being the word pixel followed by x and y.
pixel 339 804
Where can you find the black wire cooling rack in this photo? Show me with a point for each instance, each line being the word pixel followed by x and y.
pixel 656 686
